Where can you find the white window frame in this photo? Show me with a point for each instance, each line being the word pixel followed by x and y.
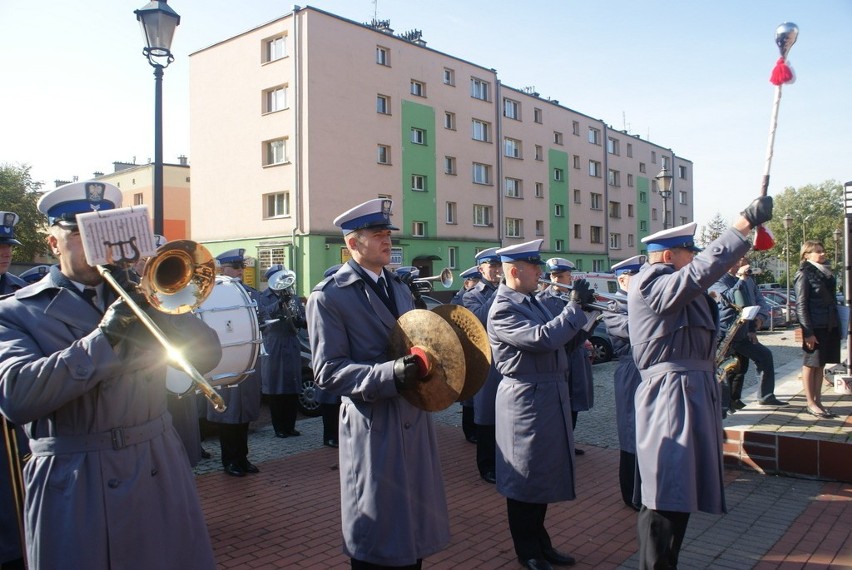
pixel 451 213
pixel 452 257
pixel 482 215
pixel 513 188
pixel 418 136
pixel 418 183
pixel 275 48
pixel 511 109
pixel 449 120
pixel 449 77
pixel 558 210
pixel 594 169
pixel 559 245
pixel 612 146
pixel 450 165
pixel 539 190
pixel 275 99
pixel 480 89
pixel 578 196
pixel 276 205
pixel 383 103
pixel 418 88
pixel 613 178
pixel 558 138
pixel 512 147
pixel 594 136
pixel 514 227
pixel 383 154
pixel 614 240
pixel 481 173
pixel 480 130
pixel 418 229
pixel 595 201
pixel 275 152
pixel 681 197
pixel 383 56
pixel 538 115
pixel 558 174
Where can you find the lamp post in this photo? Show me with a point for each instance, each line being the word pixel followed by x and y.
pixel 158 22
pixel 837 233
pixel 788 222
pixel 664 185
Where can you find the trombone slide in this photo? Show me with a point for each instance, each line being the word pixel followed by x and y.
pixel 175 356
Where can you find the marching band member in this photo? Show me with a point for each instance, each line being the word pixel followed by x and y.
pixel 392 501
pixel 478 300
pixel 626 378
pixel 673 326
pixel 535 441
pixel 470 277
pixel 89 389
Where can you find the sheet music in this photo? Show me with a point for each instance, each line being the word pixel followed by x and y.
pixel 123 235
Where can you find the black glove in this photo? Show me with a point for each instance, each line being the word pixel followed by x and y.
pixel 405 371
pixel 581 292
pixel 116 321
pixel 759 211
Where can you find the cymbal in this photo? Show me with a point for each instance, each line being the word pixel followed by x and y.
pixel 442 386
pixel 474 341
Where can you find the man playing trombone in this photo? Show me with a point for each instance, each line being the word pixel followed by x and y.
pixel 108 485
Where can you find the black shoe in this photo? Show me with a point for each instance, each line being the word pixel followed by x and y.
pixel 736 405
pixel 280 434
pixel 470 438
pixel 578 451
pixel 488 477
pixel 294 433
pixel 771 400
pixel 330 443
pixel 205 454
pixel 248 467
pixel 559 558
pixel 234 470
pixel 535 564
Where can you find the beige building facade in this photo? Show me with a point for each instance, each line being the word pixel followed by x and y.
pixel 301 118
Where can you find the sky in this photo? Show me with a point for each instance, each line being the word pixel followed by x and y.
pixel 77 93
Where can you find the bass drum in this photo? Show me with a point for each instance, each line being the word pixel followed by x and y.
pixel 231 312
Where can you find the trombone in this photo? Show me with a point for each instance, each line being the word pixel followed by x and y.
pixel 598 306
pixel 175 280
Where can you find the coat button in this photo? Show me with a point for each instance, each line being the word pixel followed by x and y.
pixel 82 371
pixel 407 425
pixel 154 472
pixel 114 483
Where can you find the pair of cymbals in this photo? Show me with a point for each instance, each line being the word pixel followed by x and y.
pixel 458 349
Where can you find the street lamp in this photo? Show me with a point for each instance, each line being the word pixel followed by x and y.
pixel 837 234
pixel 664 185
pixel 788 222
pixel 158 22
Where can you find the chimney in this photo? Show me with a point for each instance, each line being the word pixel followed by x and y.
pixel 97 174
pixel 182 160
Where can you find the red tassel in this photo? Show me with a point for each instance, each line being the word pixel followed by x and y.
pixel 781 74
pixel 764 239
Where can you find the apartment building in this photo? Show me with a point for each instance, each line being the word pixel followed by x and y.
pixel 301 118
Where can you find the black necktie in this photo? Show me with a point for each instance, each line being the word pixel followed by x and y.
pixel 90 294
pixel 537 307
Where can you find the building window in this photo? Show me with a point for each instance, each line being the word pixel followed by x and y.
pixel 595 234
pixel 578 231
pixel 597 265
pixel 383 155
pixel 451 211
pixel 450 121
pixel 450 165
pixel 654 214
pixel 630 210
pixel 654 157
pixel 452 257
pixel 576 161
pixel 276 48
pixel 418 229
pixel 539 152
pixel 575 128
pixel 479 89
pixel 643 197
pixel 614 241
pixel 513 188
pixel 277 205
pixel 557 137
pixel 418 136
pixel 629 180
pixel 643 226
pixel 539 227
pixel 613 177
pixel 615 210
pixel 612 146
pixel 269 256
pixel 511 109
pixel 558 174
pixel 539 190
pixel 537 115
pixel 642 167
pixel 681 172
pixel 418 183
pixel 481 131
pixel 137 199
pixel 418 88
pixel 449 76
pixel 558 210
pixel 596 201
pixel 514 227
pixel 482 215
pixel 631 241
pixel 681 197
pixel 578 199
pixel 383 56
pixel 683 220
pixel 383 104
pixel 559 245
pixel 274 99
pixel 396 256
pixel 629 150
pixel 481 173
pixel 594 136
pixel 512 148
pixel 594 168
pixel 275 152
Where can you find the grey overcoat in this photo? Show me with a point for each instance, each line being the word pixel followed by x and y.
pixel 108 485
pixel 535 440
pixel 392 501
pixel 672 325
pixel 626 378
pixel 478 301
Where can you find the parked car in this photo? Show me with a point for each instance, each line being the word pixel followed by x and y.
pixel 781 299
pixel 778 315
pixel 601 344
pixel 308 402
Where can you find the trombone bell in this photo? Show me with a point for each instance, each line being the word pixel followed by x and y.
pixel 179 277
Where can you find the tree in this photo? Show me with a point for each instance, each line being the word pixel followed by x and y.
pixel 20 194
pixel 712 230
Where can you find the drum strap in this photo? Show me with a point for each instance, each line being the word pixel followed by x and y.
pixel 116 438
